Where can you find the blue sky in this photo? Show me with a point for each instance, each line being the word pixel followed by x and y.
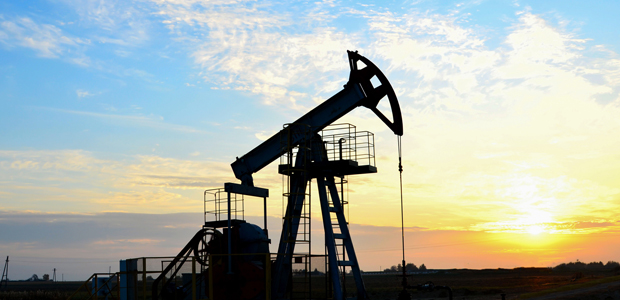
pixel 511 113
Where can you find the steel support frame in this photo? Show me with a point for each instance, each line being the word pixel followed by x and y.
pixel 344 229
pixel 290 226
pixel 325 182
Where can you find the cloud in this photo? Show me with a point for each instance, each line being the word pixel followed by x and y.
pixel 501 130
pixel 511 133
pixel 509 109
pixel 596 224
pixel 64 160
pixel 79 179
pixel 534 40
pixel 83 93
pixel 125 241
pixel 150 201
pixel 258 48
pixel 155 122
pixel 80 244
pixel 120 24
pixel 46 40
pixel 263 135
pixel 123 23
pixel 586 227
pixel 457 73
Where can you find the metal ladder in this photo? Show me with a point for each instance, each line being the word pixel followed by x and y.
pixel 336 229
pixel 339 232
pixel 339 243
pixel 294 216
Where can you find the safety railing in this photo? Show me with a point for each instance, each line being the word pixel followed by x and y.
pixel 99 286
pixel 344 142
pixel 187 279
pixel 138 275
pixel 193 280
pixel 216 205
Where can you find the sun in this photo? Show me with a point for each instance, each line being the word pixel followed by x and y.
pixel 535 229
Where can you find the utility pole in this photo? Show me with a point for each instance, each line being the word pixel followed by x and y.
pixel 5 274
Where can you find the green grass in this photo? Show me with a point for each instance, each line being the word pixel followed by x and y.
pixel 570 287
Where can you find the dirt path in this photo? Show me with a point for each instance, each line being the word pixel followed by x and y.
pixel 603 291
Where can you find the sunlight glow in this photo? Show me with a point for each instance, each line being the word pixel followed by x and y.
pixel 535 229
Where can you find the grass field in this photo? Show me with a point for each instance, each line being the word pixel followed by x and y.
pixel 44 290
pixel 522 283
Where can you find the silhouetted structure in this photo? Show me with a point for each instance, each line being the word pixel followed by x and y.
pixel 233 255
pixel 5 274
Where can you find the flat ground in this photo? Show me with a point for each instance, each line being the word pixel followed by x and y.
pixel 44 290
pixel 525 283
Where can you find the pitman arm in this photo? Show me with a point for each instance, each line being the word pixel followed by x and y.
pixel 359 91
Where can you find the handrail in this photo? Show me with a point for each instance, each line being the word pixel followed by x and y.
pixel 95 275
pixel 106 283
pixel 184 255
pixel 81 286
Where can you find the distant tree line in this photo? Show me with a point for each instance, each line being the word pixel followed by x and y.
pixel 408 267
pixel 593 266
pixel 571 266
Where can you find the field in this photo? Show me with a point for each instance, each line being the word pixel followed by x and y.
pixel 44 290
pixel 523 283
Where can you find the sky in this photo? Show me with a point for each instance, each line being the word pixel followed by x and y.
pixel 115 116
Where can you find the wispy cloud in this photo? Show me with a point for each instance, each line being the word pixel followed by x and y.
pixel 251 47
pixel 83 93
pixel 501 137
pixel 104 26
pixel 65 160
pixel 124 242
pixel 155 122
pixel 522 114
pixel 46 40
pixel 134 184
pixel 123 23
pixel 79 244
pixel 573 227
pixel 496 104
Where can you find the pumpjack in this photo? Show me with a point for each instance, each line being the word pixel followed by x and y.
pixel 234 254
